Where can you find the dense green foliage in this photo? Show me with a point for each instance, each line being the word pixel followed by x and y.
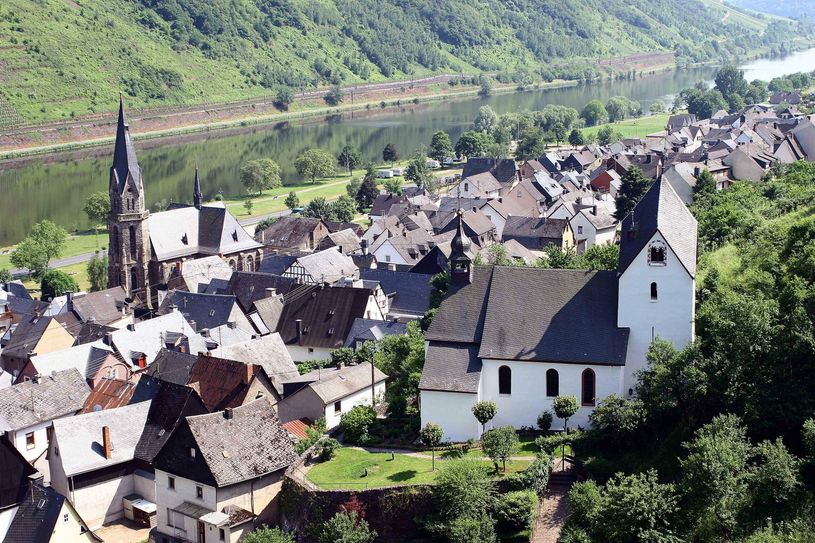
pixel 727 423
pixel 62 59
pixel 268 535
pixel 97 269
pixel 56 283
pixel 356 423
pixel 46 241
pixel 500 444
pixel 347 527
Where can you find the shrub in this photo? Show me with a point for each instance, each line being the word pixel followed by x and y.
pixel 356 423
pixel 56 283
pixel 515 510
pixel 326 449
pixel 347 527
pixel 499 444
pixel 573 534
pixel 463 489
pixel 265 534
pixel 545 421
pixel 473 530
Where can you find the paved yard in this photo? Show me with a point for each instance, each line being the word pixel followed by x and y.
pixel 123 531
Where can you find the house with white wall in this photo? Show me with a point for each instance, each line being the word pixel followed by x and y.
pixel 331 392
pixel 44 516
pixel 29 409
pixel 220 475
pixel 522 336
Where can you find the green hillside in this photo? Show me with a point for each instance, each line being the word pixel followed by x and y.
pixel 72 57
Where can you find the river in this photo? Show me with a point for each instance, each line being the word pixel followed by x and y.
pixel 56 186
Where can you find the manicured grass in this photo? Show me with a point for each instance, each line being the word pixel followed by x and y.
pixel 78 271
pixel 348 470
pixel 634 128
pixel 526 447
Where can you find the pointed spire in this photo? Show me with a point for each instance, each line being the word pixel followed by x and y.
pixel 460 261
pixel 197 196
pixel 124 154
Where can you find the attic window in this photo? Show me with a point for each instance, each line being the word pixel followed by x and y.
pixel 330 312
pixel 330 332
pixel 41 504
pixel 211 312
pixel 192 452
pixel 234 235
pixel 184 239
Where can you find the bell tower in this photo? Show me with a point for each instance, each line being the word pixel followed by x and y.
pixel 461 265
pixel 127 223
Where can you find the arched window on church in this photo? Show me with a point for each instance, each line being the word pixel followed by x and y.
pixel 657 254
pixel 654 293
pixel 133 249
pixel 504 380
pixel 587 388
pixel 552 383
pixel 250 263
pixel 134 278
pixel 232 264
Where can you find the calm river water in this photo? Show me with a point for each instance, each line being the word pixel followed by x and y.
pixel 56 186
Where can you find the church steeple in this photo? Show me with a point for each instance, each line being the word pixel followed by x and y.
pixel 197 196
pixel 461 271
pixel 125 163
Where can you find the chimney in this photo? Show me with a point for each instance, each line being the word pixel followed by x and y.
pixel 475 209
pixel 250 372
pixel 108 339
pixel 500 199
pixel 172 307
pixel 271 291
pixel 228 413
pixel 298 330
pixel 696 171
pixel 142 362
pixel 594 209
pixel 232 324
pixel 339 364
pixel 131 326
pixel 69 300
pixel 363 244
pixel 106 441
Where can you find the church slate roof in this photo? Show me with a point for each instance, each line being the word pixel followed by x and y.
pixel 172 366
pixel 660 210
pixel 460 317
pixel 451 367
pixel 124 154
pixel 250 444
pixel 553 315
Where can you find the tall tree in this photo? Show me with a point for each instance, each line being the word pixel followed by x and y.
pixel 315 163
pixel 633 186
pixel 486 121
pixel 472 144
pixel 389 153
pixel 349 158
pixel 258 175
pixel 441 147
pixel 594 113
pixel 56 283
pixel 343 209
pixel 318 208
pixel 98 272
pixel 97 207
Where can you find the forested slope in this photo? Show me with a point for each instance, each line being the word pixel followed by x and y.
pixel 59 57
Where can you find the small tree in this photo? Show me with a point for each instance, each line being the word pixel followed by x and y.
pixel 565 407
pixel 284 98
pixel 393 186
pixel 56 283
pixel 472 143
pixel 545 421
pixel 657 107
pixel 265 534
pixel 349 158
pixel 292 200
pixel 389 154
pixel 486 83
pixel 248 205
pixel 356 423
pixel 318 208
pixel 97 207
pixel 500 444
pixel 347 527
pixel 30 254
pixel 432 435
pixel 314 163
pixel 367 193
pixel 441 146
pixel 251 175
pixel 343 209
pixel 5 275
pixel 334 96
pixel 705 185
pixel 633 185
pixel 98 272
pixel 484 411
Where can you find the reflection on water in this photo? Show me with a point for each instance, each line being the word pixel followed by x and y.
pixel 56 187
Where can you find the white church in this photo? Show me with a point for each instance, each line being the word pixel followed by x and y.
pixel 522 336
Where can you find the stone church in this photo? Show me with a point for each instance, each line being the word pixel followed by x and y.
pixel 146 250
pixel 522 336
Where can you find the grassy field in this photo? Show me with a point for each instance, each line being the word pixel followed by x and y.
pixel 349 467
pixel 634 128
pixel 77 244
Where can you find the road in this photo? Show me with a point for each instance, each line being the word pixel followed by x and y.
pixel 84 257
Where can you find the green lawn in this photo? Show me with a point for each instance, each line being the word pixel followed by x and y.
pixel 80 243
pixel 635 128
pixel 348 470
pixel 526 448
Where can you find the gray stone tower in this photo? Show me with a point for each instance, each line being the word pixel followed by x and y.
pixel 127 223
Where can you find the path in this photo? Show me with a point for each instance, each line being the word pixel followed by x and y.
pixel 428 456
pixel 551 516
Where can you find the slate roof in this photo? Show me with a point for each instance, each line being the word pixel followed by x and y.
pixel 535 233
pixel 268 351
pixel 17 289
pixel 276 264
pixel 346 240
pixel 553 315
pixel 328 266
pixel 211 230
pixel 660 210
pixel 14 475
pixel 37 516
pixel 102 307
pixel 291 232
pixel 372 330
pixel 460 317
pixel 249 287
pixel 79 437
pixel 29 403
pixel 207 310
pixel 28 333
pixel 125 163
pixel 332 384
pixel 172 366
pixel 336 226
pixel 87 358
pixel 198 274
pixel 504 169
pixel 408 292
pixel 327 314
pixel 150 335
pixel 452 367
pixel 383 202
pixel 91 332
pixel 229 450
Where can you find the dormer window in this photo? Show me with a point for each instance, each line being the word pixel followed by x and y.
pixel 657 253
pixel 185 240
pixel 234 235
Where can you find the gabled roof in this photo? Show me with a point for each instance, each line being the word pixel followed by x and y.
pixel 268 351
pixel 372 330
pixel 86 358
pixel 383 202
pixel 150 336
pixel 327 314
pixel 332 384
pixel 16 289
pixel 37 516
pixel 79 437
pixel 346 240
pixel 249 444
pixel 291 232
pixel 249 287
pixel 26 336
pixel 504 169
pixel 460 317
pixel 102 307
pixel 660 210
pixel 172 366
pixel 276 264
pixel 222 383
pixel 328 266
pixel 535 233
pixel 553 315
pixel 408 292
pixel 29 403
pixel 207 310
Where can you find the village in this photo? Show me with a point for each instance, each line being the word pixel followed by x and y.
pixel 227 381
